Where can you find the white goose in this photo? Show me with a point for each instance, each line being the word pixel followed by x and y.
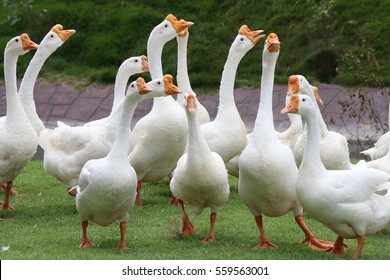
pixel 381 146
pixel 343 200
pixel 183 80
pixel 226 134
pixel 107 186
pixel 131 66
pixel 18 141
pixel 50 43
pixel 200 178
pixel 334 146
pixel 67 149
pixel 165 123
pixel 288 137
pixel 267 167
pixel 382 163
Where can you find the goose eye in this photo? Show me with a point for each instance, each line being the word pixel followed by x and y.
pixel 16 40
pixel 159 83
pixel 136 60
pixel 132 85
pixel 242 39
pixel 51 36
pixel 166 25
pixel 303 99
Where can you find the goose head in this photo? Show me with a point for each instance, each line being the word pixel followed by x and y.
pixel 247 39
pixel 136 64
pixel 189 102
pixel 20 45
pixel 168 29
pixel 55 38
pixel 272 42
pixel 298 84
pixel 300 104
pixel 156 88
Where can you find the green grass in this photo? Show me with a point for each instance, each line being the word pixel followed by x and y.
pixel 47 226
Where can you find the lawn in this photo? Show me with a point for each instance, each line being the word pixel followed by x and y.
pixel 46 226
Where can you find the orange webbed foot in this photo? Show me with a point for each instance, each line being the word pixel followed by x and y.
pixel 266 244
pixel 208 239
pixel 318 244
pixel 6 206
pixel 86 244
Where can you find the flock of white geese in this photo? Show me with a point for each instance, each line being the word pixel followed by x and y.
pixel 104 163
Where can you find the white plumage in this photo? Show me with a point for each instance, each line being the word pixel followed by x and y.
pixel 346 201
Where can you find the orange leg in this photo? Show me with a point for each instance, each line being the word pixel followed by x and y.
pixel 211 237
pixel 138 200
pixel 5 204
pixel 358 252
pixel 174 201
pixel 188 227
pixel 338 247
pixel 12 192
pixel 84 239
pixel 314 243
pixel 122 226
pixel 265 243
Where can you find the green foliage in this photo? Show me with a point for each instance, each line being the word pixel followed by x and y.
pixel 110 32
pixel 47 226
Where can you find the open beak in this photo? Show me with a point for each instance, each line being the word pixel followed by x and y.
pixel 253 36
pixel 273 43
pixel 143 88
pixel 191 104
pixel 63 34
pixel 169 87
pixel 145 63
pixel 179 25
pixel 27 43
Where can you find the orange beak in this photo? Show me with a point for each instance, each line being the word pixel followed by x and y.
pixel 273 43
pixel 191 104
pixel 292 107
pixel 293 85
pixel 143 88
pixel 317 95
pixel 169 87
pixel 179 25
pixel 253 36
pixel 145 63
pixel 63 34
pixel 27 43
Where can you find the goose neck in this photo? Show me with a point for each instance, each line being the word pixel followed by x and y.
pixel 120 146
pixel 122 76
pixel 14 108
pixel 311 157
pixel 197 145
pixel 264 124
pixel 227 104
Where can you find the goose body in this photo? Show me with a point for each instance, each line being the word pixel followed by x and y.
pixel 165 124
pixel 18 141
pixel 346 201
pixel 67 149
pixel 381 146
pixel 131 66
pixel 226 134
pixel 200 178
pixel 107 186
pixel 267 167
pixel 334 146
